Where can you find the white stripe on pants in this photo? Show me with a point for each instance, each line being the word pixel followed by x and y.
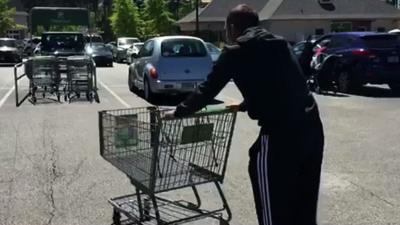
pixel 262 173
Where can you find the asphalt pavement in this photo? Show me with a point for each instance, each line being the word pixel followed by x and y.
pixel 51 171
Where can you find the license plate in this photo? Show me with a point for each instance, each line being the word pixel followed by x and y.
pixel 187 85
pixel 393 59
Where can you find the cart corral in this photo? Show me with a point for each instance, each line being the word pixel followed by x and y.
pixel 59 70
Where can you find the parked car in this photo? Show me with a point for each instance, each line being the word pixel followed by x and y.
pixel 9 52
pixel 121 46
pixel 169 65
pixel 111 46
pixel 30 45
pixel 298 48
pixel 365 58
pixel 101 55
pixel 133 51
pixel 214 51
pixel 94 38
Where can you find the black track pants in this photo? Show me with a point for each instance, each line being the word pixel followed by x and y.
pixel 285 174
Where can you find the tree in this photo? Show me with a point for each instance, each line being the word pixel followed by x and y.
pixel 186 7
pixel 125 20
pixel 6 17
pixel 158 17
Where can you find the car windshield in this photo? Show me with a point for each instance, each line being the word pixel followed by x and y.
pixel 52 42
pixel 8 43
pixel 381 41
pixel 94 39
pixel 212 48
pixel 127 41
pixel 183 48
pixel 138 46
pixel 97 47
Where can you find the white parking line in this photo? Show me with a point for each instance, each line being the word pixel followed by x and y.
pixel 115 95
pixel 4 99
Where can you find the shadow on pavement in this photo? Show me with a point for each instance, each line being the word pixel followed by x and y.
pixel 376 92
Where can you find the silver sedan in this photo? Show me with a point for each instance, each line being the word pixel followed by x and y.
pixel 170 65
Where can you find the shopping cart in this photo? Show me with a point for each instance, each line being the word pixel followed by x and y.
pixel 160 155
pixel 44 77
pixel 80 78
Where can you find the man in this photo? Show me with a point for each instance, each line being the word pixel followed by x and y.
pixel 285 161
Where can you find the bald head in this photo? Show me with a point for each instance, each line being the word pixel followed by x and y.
pixel 242 17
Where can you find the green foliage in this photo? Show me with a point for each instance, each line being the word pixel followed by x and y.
pixel 6 17
pixel 186 7
pixel 158 18
pixel 125 20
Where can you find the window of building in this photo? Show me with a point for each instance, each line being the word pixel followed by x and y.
pixel 319 31
pixel 381 29
pixel 361 28
pixel 341 26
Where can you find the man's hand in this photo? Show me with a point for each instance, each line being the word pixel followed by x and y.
pixel 233 107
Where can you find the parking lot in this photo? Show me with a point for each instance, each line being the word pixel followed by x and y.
pixel 51 171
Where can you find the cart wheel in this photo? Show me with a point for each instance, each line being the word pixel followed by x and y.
pixel 89 96
pixel 116 217
pixel 223 222
pixel 192 206
pixel 96 97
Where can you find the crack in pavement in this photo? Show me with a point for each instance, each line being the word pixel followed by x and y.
pixel 75 175
pixel 373 194
pixel 53 178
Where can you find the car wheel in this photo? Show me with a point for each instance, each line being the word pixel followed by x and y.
pixel 148 94
pixel 343 82
pixel 395 88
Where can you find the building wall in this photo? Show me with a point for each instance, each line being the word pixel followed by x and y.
pixel 295 31
pixel 387 24
pixel 210 26
pixel 20 18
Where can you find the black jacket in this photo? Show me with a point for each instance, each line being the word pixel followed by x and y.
pixel 268 76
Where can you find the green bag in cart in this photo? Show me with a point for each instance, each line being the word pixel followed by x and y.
pixel 126 134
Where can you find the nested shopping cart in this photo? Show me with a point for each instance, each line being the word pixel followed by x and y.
pixel 44 77
pixel 81 78
pixel 160 155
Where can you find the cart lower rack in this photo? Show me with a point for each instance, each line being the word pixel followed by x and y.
pixel 160 155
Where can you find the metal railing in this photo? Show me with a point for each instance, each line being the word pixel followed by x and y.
pixel 18 77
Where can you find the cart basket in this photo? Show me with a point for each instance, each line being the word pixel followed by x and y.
pixel 160 154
